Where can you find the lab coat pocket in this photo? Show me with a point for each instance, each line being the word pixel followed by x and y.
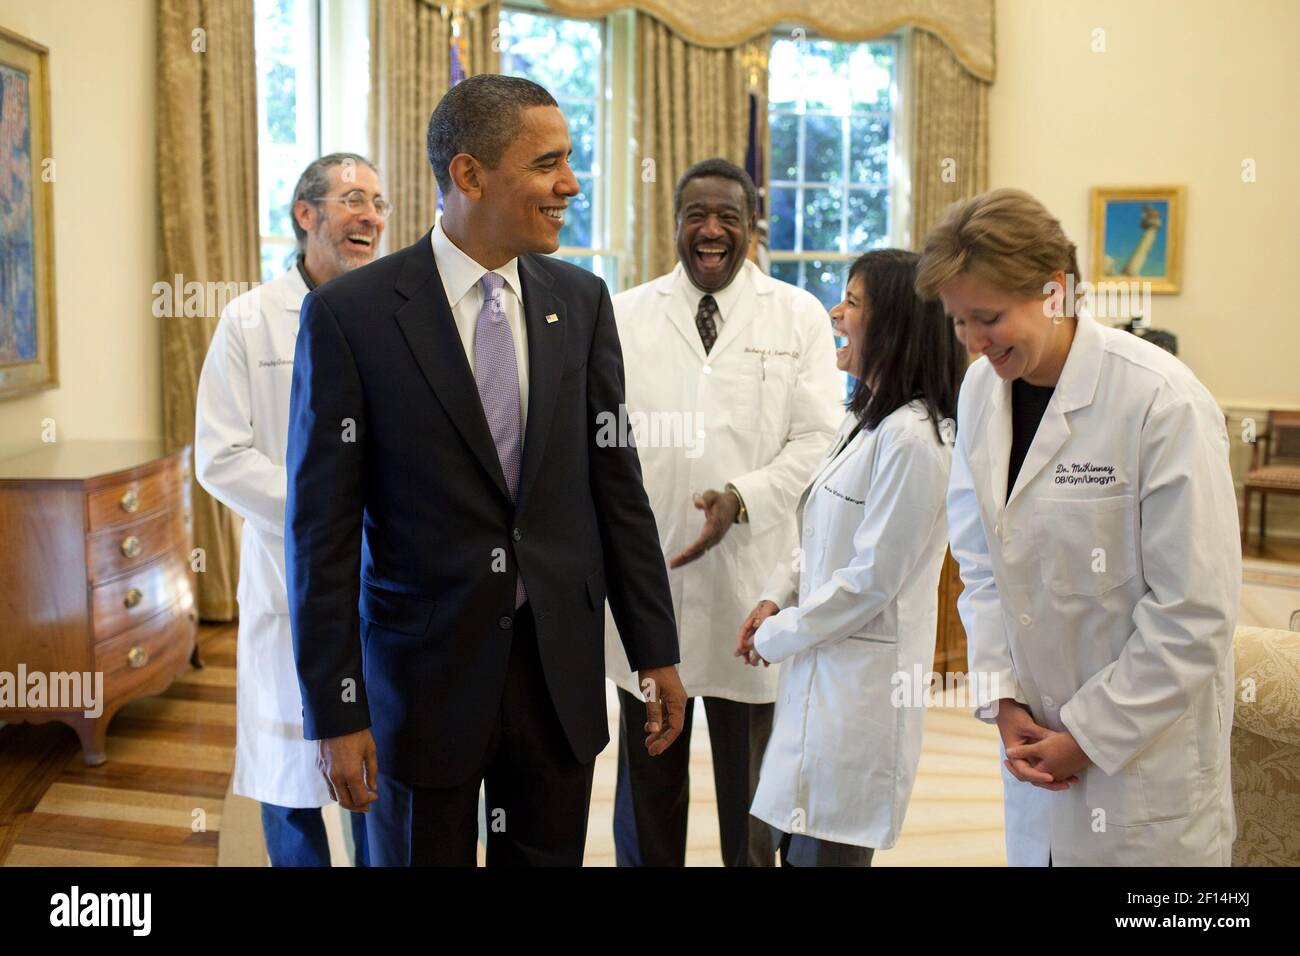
pixel 763 395
pixel 1159 784
pixel 395 611
pixel 1086 546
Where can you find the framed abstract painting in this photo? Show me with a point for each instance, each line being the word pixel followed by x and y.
pixel 28 355
pixel 1137 235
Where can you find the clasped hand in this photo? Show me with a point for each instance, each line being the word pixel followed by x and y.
pixel 1050 759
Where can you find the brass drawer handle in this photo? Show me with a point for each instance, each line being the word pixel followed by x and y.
pixel 137 657
pixel 130 501
pixel 133 597
pixel 131 546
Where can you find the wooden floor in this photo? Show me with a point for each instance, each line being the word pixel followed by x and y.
pixel 158 800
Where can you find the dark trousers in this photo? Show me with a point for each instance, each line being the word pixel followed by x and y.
pixel 653 793
pixel 537 794
pixel 295 836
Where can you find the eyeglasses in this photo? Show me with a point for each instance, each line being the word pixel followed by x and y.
pixel 357 200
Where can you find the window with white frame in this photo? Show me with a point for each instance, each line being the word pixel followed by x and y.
pixel 567 56
pixel 831 117
pixel 312 94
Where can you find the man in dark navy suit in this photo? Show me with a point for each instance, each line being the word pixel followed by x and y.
pixel 454 523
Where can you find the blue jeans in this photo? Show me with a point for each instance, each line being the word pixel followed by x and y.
pixel 296 836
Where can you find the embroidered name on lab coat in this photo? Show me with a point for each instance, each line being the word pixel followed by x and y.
pixel 273 363
pixel 839 494
pixel 794 354
pixel 1084 473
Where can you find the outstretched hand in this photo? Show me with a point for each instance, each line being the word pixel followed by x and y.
pixel 720 509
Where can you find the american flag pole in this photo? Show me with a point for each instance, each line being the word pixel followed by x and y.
pixel 459 54
pixel 755 60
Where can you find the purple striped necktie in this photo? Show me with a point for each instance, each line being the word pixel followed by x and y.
pixel 497 375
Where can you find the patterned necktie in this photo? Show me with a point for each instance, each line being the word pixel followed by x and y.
pixel 497 375
pixel 704 322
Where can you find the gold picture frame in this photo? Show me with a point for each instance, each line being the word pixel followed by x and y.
pixel 1137 235
pixel 28 342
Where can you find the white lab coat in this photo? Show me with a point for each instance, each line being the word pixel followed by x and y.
pixel 759 410
pixel 1103 596
pixel 855 626
pixel 240 433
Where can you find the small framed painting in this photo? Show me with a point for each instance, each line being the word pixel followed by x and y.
pixel 1137 235
pixel 28 359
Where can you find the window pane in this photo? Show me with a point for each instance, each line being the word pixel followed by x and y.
pixel 821 219
pixel 868 219
pixel 582 133
pixel 830 123
pixel 781 220
pixel 562 55
pixel 825 280
pixel 823 146
pixel 286 65
pixel 784 84
pixel 787 270
pixel 871 75
pixel 868 150
pixel 577 218
pixel 784 134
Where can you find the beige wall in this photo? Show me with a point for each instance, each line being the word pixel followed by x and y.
pixel 1185 91
pixel 105 221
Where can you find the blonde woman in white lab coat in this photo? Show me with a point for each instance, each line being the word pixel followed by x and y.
pixel 1092 513
pixel 857 605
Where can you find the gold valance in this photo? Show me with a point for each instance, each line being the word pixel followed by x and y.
pixel 966 26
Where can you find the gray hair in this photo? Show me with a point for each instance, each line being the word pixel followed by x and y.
pixel 480 115
pixel 314 183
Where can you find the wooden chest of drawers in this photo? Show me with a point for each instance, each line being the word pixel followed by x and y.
pixel 96 587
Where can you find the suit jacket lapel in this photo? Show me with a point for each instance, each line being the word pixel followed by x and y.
pixel 545 363
pixel 426 322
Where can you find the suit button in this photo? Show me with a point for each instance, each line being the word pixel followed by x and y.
pixel 505 623
pixel 1026 620
pixel 517 534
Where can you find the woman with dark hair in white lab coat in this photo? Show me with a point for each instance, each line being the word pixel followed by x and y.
pixel 858 602
pixel 1093 516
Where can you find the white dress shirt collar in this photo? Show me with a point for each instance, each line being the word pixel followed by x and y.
pixel 460 273
pixel 726 297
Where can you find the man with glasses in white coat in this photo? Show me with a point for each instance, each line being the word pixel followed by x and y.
pixel 240 434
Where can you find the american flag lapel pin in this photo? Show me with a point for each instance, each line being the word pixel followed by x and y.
pixel 552 318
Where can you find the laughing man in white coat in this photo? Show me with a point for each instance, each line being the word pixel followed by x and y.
pixel 732 397
pixel 857 612
pixel 240 433
pixel 1093 516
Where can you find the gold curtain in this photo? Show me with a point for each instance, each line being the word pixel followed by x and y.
pixel 693 104
pixel 207 194
pixel 950 161
pixel 950 143
pixel 965 25
pixel 411 70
